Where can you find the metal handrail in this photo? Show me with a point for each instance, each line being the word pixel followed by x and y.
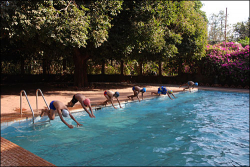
pixel 43 99
pixel 21 93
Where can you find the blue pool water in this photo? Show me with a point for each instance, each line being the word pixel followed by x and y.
pixel 203 128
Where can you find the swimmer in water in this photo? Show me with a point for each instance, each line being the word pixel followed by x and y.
pixel 163 90
pixel 85 102
pixel 189 84
pixel 62 110
pixel 137 90
pixel 109 95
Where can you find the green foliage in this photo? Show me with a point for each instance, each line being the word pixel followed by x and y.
pixel 122 30
pixel 60 23
pixel 153 30
pixel 244 42
pixel 193 31
pixel 94 67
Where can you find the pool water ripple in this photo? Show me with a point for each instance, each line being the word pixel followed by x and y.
pixel 203 128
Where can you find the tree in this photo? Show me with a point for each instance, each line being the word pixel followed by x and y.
pixel 140 32
pixel 216 25
pixel 216 29
pixel 241 30
pixel 131 30
pixel 61 28
pixel 145 31
pixel 193 31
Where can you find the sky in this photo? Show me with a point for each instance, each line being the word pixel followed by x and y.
pixel 237 11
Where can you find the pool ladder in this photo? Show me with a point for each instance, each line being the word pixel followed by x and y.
pixel 33 117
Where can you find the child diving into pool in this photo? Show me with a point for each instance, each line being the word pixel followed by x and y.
pixel 85 102
pixel 62 110
pixel 109 95
pixel 189 84
pixel 163 90
pixel 137 90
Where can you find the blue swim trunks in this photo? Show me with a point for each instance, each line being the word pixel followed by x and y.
pixel 162 90
pixel 51 106
pixel 159 90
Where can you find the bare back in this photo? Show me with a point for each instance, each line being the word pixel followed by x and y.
pixel 110 93
pixel 80 97
pixel 137 88
pixel 59 105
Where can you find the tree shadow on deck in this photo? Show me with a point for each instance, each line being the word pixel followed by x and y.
pixel 53 88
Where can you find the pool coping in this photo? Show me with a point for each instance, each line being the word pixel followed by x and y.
pixel 97 107
pixel 14 155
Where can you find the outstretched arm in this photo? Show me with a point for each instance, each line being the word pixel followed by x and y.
pixel 119 103
pixel 60 115
pixel 112 104
pixel 75 119
pixel 141 95
pixel 90 115
pixel 90 108
pixel 173 95
pixel 138 97
pixel 169 96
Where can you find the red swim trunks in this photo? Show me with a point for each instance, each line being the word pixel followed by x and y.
pixel 105 92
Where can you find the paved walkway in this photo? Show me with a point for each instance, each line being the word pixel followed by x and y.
pixel 14 155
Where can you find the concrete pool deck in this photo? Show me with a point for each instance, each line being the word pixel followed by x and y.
pixel 14 155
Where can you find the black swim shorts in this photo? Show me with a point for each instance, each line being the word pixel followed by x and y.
pixel 74 100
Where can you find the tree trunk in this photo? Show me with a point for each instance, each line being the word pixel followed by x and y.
pixel 44 66
pixel 122 62
pixel 29 68
pixel 199 70
pixel 180 67
pixel 64 64
pixel 22 66
pixel 140 68
pixel 111 62
pixel 160 68
pixel 80 75
pixel 103 67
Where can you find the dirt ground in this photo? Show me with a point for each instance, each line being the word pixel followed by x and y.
pixel 11 96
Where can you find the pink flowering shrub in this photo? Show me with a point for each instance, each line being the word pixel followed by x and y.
pixel 231 63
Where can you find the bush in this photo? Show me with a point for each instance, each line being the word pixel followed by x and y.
pixel 230 62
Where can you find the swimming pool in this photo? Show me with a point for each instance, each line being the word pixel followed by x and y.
pixel 203 128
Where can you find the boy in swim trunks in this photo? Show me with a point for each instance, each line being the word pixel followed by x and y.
pixel 189 84
pixel 109 95
pixel 164 90
pixel 62 110
pixel 137 90
pixel 85 102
